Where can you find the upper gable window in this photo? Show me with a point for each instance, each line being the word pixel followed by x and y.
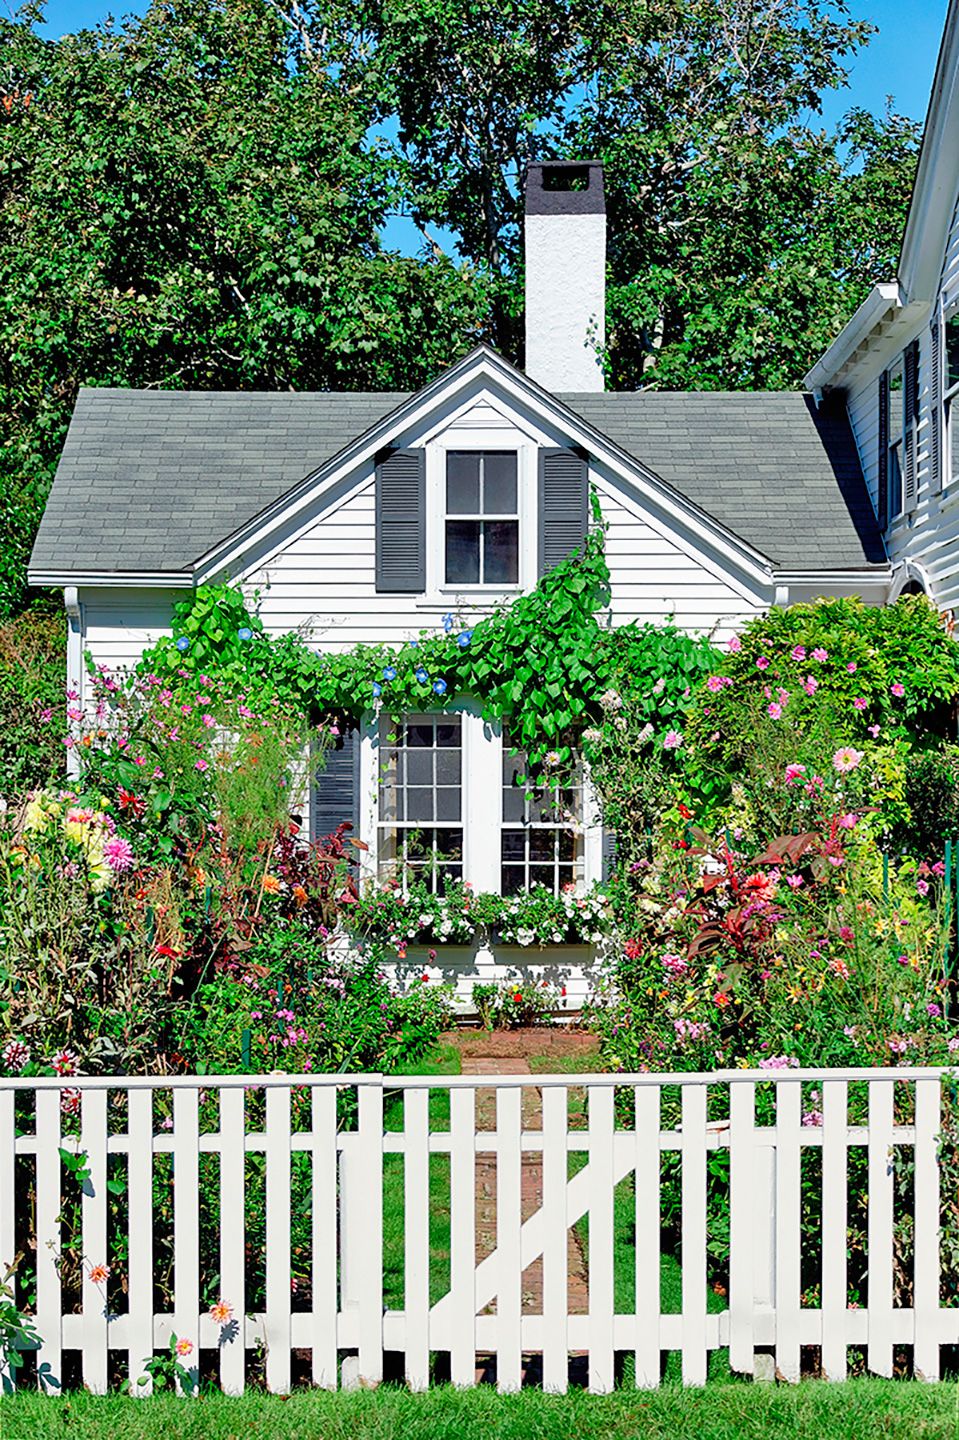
pixel 482 518
pixel 950 396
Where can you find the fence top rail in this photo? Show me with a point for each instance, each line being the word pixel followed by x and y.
pixel 591 1079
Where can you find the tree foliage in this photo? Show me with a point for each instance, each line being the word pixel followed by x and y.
pixel 197 197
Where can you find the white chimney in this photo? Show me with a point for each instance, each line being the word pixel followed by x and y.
pixel 565 274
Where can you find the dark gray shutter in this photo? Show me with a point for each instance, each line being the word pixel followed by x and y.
pixel 608 853
pixel 910 403
pixel 335 794
pixel 935 405
pixel 882 474
pixel 401 522
pixel 563 505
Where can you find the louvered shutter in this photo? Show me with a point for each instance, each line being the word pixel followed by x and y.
pixel 335 795
pixel 608 853
pixel 563 505
pixel 882 476
pixel 401 522
pixel 935 405
pixel 910 403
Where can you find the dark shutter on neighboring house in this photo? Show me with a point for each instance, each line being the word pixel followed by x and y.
pixel 335 794
pixel 910 403
pixel 608 853
pixel 401 522
pixel 563 505
pixel 882 475
pixel 935 405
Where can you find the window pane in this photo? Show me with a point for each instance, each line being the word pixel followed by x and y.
pixel 462 482
pixel 542 875
pixel 420 734
pixel 513 879
pixel 448 804
pixel 567 845
pixel 449 844
pixel 448 732
pixel 514 804
pixel 462 552
pixel 448 767
pixel 514 845
pixel 500 552
pixel 419 767
pixel 542 844
pixel 499 483
pixel 895 480
pixel 419 804
pixel 952 350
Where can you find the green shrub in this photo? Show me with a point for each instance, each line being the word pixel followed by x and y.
pixel 33 659
pixel 932 795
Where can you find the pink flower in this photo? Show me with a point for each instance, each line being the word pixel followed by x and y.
pixel 775 710
pixel 820 654
pixel 208 721
pixel 860 702
pixel 934 1011
pixel 837 860
pixel 221 1313
pixel 118 853
pixel 873 730
pixel 849 821
pixel 793 773
pixel 672 740
pixel 734 643
pixel 70 1101
pixel 852 667
pixel 810 684
pixel 922 886
pixel 954 1043
pixel 897 689
pixel 201 765
pixel 714 683
pixel 812 1118
pixel 799 652
pixel 794 881
pixel 846 758
pixel 184 1347
pixel 762 663
pixel 65 1062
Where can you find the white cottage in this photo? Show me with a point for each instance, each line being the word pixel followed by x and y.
pixel 366 517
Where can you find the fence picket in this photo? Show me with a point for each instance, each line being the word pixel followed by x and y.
pixel 140 1346
pixel 601 1305
pixel 7 1209
pixel 927 1260
pixel 463 1236
pixel 556 1241
pixel 186 1217
pixel 693 1141
pixel 416 1223
pixel 742 1198
pixel 879 1230
pixel 323 1238
pixel 508 1223
pixel 835 1127
pixel 368 1198
pixel 93 1143
pixel 277 1323
pixel 49 1295
pixel 788 1201
pixel 648 1302
pixel 232 1337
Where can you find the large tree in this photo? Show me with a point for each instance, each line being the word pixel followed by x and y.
pixel 196 198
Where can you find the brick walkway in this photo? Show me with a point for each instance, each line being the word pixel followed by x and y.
pixel 532 1186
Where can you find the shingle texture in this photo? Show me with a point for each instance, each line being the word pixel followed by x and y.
pixel 152 480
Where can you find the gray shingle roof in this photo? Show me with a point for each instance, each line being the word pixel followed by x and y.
pixel 151 480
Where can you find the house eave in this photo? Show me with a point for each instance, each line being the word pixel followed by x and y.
pixel 881 304
pixel 116 579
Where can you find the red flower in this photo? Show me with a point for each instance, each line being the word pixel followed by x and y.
pixel 684 810
pixel 135 803
pixel 168 951
pixel 633 949
pixel 425 979
pixel 721 998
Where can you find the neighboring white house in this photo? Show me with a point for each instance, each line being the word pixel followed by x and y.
pixel 366 517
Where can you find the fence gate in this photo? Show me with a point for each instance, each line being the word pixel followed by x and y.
pixel 604 1229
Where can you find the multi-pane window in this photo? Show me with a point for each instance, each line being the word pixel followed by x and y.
pixel 895 451
pixel 542 835
pixel 421 799
pixel 482 518
pixel 950 396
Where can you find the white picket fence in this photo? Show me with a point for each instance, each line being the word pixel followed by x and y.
pixel 341 1331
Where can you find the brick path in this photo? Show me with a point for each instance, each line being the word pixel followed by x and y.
pixel 532 1186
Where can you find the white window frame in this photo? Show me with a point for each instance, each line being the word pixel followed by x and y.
pixel 482 803
pixel 950 396
pixel 526 486
pixel 481 517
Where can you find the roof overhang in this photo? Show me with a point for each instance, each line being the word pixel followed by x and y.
pixel 880 317
pixel 125 579
pixel 934 190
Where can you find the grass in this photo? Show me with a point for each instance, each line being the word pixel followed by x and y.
pixel 815 1410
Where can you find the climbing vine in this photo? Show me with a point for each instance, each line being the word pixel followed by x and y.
pixel 543 661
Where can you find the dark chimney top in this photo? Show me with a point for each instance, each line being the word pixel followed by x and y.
pixel 565 187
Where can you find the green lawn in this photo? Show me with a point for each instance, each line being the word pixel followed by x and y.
pixel 859 1410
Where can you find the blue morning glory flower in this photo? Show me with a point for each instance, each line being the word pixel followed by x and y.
pixel 464 639
pixel 421 675
pixel 183 644
pixel 447 623
pixel 414 644
pixel 377 689
pixel 389 673
pixel 439 686
pixel 244 633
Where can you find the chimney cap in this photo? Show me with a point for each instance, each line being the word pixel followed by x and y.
pixel 565 187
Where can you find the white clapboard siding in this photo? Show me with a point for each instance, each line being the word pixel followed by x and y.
pixel 485 1315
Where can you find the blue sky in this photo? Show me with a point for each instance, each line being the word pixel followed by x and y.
pixel 899 62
